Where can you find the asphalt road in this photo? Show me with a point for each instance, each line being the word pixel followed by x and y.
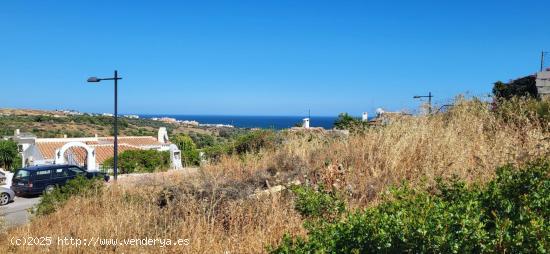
pixel 17 212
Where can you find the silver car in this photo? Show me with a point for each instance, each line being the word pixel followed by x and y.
pixel 6 195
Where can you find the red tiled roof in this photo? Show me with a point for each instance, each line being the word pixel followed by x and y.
pixel 102 152
pixel 47 149
pixel 135 141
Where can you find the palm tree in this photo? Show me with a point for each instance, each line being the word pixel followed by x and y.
pixel 8 153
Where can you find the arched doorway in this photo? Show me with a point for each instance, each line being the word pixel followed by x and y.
pixel 90 157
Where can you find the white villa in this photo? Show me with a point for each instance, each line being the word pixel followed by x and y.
pixel 89 152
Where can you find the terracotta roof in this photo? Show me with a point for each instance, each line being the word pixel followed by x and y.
pixel 102 152
pixel 135 141
pixel 47 149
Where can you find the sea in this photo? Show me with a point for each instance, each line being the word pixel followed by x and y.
pixel 264 122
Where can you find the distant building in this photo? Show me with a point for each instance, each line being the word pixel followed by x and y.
pixel 190 123
pixel 167 120
pixel 90 152
pixel 132 116
pixel 365 117
pixel 305 123
pixel 218 125
pixel 107 114
pixel 70 112
pixel 543 83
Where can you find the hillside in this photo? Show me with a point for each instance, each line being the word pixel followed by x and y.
pixel 50 124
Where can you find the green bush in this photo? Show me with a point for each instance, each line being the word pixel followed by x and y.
pixel 203 140
pixel 79 186
pixel 140 161
pixel 347 122
pixel 254 141
pixel 189 152
pixel 522 87
pixel 9 155
pixel 508 215
pixel 317 204
pixel 214 153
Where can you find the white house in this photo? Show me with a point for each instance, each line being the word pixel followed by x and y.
pixel 89 151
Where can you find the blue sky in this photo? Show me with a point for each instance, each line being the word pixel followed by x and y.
pixel 263 57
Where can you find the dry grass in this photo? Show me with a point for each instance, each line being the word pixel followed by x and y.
pixel 213 210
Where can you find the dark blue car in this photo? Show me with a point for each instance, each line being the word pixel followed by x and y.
pixel 39 179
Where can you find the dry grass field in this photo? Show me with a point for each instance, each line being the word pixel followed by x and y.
pixel 216 211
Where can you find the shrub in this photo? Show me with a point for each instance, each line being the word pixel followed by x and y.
pixel 135 161
pixel 317 204
pixel 214 153
pixel 509 214
pixel 80 186
pixel 347 122
pixel 203 140
pixel 254 141
pixel 189 152
pixel 522 87
pixel 9 154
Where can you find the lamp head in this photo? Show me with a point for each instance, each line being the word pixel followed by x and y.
pixel 416 97
pixel 94 79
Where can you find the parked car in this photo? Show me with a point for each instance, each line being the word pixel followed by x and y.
pixel 39 179
pixel 6 195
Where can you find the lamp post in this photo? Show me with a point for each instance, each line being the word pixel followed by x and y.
pixel 115 158
pixel 542 54
pixel 429 96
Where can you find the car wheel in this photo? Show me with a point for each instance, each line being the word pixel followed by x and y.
pixel 4 198
pixel 49 189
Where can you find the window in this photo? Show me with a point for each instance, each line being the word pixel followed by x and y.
pixel 43 174
pixel 22 175
pixel 60 172
pixel 74 171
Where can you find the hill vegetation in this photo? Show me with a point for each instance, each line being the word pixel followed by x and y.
pixel 53 124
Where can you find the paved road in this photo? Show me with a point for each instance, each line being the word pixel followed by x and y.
pixel 16 213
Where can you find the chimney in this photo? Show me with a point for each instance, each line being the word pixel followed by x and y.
pixel 162 135
pixel 305 123
pixel 365 117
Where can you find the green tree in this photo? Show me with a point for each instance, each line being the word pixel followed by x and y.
pixel 347 122
pixel 254 141
pixel 522 87
pixel 135 161
pixel 202 140
pixel 188 148
pixel 8 154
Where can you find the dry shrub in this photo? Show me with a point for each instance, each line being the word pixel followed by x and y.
pixel 468 141
pixel 213 224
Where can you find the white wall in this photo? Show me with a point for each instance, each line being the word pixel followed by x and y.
pixel 9 176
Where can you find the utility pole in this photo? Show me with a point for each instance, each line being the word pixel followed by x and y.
pixel 429 96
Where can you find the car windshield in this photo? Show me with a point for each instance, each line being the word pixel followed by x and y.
pixel 22 175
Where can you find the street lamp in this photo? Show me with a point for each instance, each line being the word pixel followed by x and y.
pixel 115 158
pixel 429 96
pixel 542 54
